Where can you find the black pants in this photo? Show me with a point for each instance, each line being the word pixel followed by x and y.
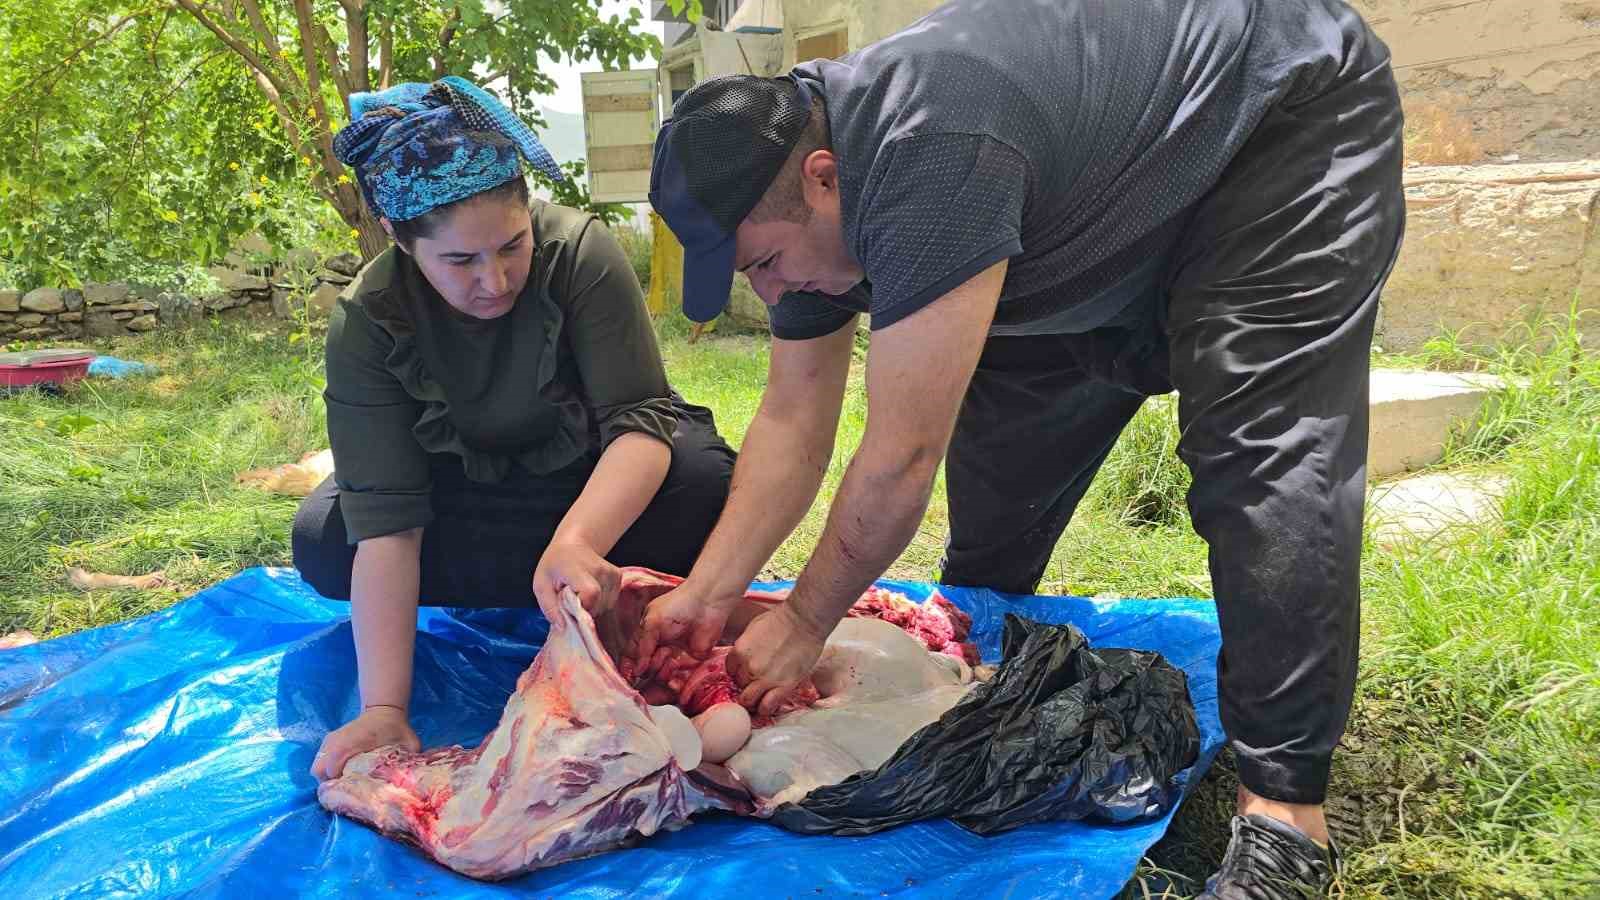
pixel 1265 333
pixel 486 539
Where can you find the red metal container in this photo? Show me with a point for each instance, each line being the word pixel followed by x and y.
pixel 58 366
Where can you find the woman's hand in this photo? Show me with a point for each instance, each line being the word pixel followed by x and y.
pixel 575 565
pixel 377 726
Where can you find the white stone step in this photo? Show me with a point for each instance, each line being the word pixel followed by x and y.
pixel 1414 412
pixel 1421 506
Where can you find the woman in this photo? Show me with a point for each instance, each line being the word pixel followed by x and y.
pixel 497 407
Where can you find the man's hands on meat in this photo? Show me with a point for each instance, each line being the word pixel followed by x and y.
pixel 911 411
pixel 690 616
pixel 776 652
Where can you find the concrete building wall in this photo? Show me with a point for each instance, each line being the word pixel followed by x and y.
pixel 863 21
pixel 1507 78
pixel 1489 249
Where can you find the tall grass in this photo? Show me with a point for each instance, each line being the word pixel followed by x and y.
pixel 1491 637
pixel 134 475
pixel 1143 483
pixel 635 243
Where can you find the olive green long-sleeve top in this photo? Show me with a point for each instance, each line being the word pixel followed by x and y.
pixel 572 366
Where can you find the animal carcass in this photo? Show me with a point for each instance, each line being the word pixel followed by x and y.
pixel 585 760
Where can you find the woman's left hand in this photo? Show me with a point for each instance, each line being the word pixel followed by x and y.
pixel 575 565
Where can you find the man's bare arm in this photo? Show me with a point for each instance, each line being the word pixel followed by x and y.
pixel 785 454
pixel 917 374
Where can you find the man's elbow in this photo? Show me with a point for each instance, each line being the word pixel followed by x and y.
pixel 806 433
pixel 904 463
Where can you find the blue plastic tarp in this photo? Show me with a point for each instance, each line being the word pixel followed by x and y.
pixel 112 367
pixel 170 755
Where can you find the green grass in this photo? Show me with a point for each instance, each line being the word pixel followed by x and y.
pixel 1489 641
pixel 130 476
pixel 1472 765
pixel 1471 768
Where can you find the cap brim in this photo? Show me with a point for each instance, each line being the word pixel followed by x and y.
pixel 707 280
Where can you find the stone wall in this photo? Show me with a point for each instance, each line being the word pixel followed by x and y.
pixel 1489 247
pixel 1512 79
pixel 119 308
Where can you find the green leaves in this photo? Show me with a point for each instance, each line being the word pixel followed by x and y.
pixel 135 499
pixel 574 192
pixel 85 472
pixel 72 423
pixel 133 138
pixel 693 6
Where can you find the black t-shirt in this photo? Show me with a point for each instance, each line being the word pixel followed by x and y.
pixel 1067 136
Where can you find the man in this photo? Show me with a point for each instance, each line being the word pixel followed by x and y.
pixel 1050 211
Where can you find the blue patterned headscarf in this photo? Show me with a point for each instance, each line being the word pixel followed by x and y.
pixel 413 151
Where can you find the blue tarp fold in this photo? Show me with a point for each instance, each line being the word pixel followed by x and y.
pixel 170 755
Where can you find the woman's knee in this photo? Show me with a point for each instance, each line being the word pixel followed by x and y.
pixel 321 552
pixel 670 533
pixel 702 462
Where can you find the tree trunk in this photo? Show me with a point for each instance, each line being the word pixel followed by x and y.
pixel 370 236
pixel 373 238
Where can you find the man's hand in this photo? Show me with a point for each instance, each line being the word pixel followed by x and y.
pixel 575 565
pixel 684 616
pixel 377 726
pixel 773 655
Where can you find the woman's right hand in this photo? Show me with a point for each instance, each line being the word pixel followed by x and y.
pixel 377 726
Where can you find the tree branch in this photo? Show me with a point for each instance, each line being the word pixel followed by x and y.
pixel 137 144
pixel 77 51
pixel 269 37
pixel 330 55
pixel 309 58
pixel 355 26
pixel 285 115
pixel 446 35
pixel 311 34
pixel 155 39
pixel 280 87
pixel 385 54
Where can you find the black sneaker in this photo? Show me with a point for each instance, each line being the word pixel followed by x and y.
pixel 1269 860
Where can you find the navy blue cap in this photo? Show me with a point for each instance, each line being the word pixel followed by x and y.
pixel 715 157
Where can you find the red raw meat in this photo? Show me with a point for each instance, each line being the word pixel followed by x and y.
pixel 581 762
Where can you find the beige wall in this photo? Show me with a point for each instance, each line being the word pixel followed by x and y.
pixel 864 21
pixel 753 54
pixel 1519 76
pixel 1489 248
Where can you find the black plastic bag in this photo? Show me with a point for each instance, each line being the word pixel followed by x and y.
pixel 1062 731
